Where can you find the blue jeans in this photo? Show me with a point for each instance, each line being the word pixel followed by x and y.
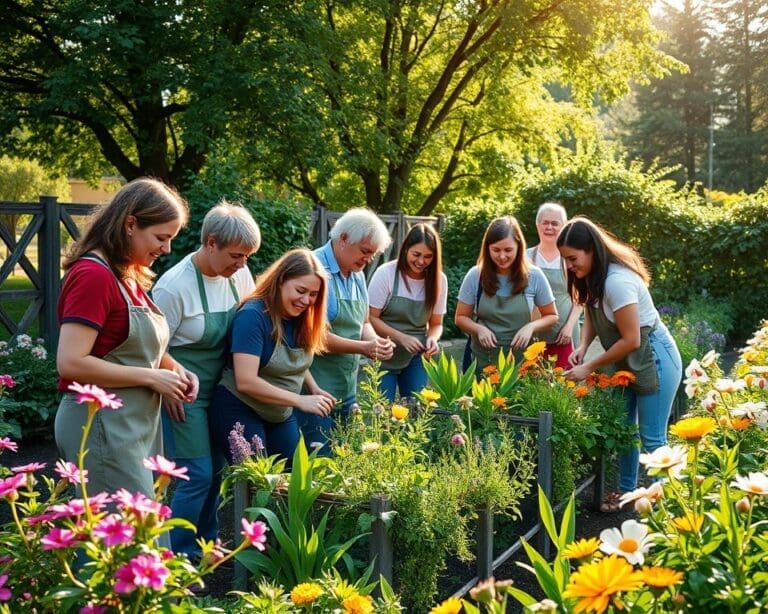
pixel 278 438
pixel 408 380
pixel 651 411
pixel 196 500
pixel 316 429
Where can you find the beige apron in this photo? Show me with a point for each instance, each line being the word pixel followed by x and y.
pixel 559 283
pixel 407 316
pixel 121 439
pixel 504 315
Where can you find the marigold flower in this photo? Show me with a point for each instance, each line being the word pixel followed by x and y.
pixel 452 605
pixel 591 379
pixel 499 402
pixel 533 351
pixel 358 604
pixel 305 593
pixel 490 369
pixel 622 378
pixel 399 412
pixel 593 584
pixel 755 483
pixel 632 542
pixel 580 549
pixel 494 378
pixel 740 424
pixel 693 429
pixel 430 396
pixel 603 380
pixel 690 523
pixel 580 391
pixel 661 577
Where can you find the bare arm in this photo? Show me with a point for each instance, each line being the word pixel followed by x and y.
pixel 565 335
pixel 434 332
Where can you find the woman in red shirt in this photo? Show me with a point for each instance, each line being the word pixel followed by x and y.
pixel 113 336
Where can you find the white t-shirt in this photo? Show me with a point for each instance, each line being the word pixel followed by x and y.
pixel 625 287
pixel 383 282
pixel 538 292
pixel 178 297
pixel 536 257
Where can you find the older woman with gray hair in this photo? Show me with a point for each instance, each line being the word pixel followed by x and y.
pixel 355 239
pixel 564 336
pixel 199 296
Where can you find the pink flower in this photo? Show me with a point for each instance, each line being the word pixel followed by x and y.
pixel 92 608
pixel 144 570
pixel 163 466
pixel 141 505
pixel 95 396
pixel 458 439
pixel 7 444
pixel 6 381
pixel 255 532
pixel 33 520
pixel 58 538
pixel 9 486
pixel 5 593
pixel 28 468
pixel 76 507
pixel 69 472
pixel 113 530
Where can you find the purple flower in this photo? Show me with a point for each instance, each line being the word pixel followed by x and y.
pixel 458 439
pixel 257 444
pixel 92 608
pixel 144 570
pixel 5 593
pixel 239 447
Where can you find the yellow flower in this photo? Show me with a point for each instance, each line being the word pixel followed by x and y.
pixel 358 604
pixel 661 577
pixel 399 412
pixel 452 605
pixel 306 592
pixel 693 429
pixel 593 584
pixel 581 549
pixel 535 350
pixel 430 396
pixel 688 523
pixel 498 402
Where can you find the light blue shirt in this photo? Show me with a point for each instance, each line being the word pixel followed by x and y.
pixel 537 293
pixel 351 287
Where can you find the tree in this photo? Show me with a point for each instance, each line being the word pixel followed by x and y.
pixel 146 87
pixel 399 103
pixel 673 113
pixel 742 54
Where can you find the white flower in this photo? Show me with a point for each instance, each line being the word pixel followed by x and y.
pixel 754 483
pixel 729 385
pixel 695 372
pixel 748 409
pixel 709 359
pixel 631 542
pixel 3 345
pixel 709 402
pixel 633 495
pixel 673 459
pixel 692 388
pixel 545 606
pixel 370 446
pixel 761 419
pixel 759 369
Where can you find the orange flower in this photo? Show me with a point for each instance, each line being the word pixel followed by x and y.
pixel 558 370
pixel 661 577
pixel 358 604
pixel 591 379
pixel 622 378
pixel 494 378
pixel 595 584
pixel 603 381
pixel 740 424
pixel 581 391
pixel 490 369
pixel 498 402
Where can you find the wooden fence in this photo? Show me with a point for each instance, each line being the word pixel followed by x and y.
pixel 48 216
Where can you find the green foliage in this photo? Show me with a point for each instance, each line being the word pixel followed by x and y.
pixel 33 401
pixel 447 379
pixel 25 181
pixel 699 326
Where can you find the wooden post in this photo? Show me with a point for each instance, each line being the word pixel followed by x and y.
pixel 49 265
pixel 545 472
pixel 241 491
pixel 484 543
pixel 380 543
pixel 598 486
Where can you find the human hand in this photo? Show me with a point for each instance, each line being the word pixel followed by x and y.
pixel 577 356
pixel 175 409
pixel 193 386
pixel 317 404
pixel 169 384
pixel 578 373
pixel 379 348
pixel 432 347
pixel 412 344
pixel 563 337
pixel 486 338
pixel 522 338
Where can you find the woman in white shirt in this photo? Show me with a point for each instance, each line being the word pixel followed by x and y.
pixel 407 300
pixel 611 281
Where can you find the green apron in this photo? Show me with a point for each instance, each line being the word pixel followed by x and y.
pixel 206 359
pixel 120 440
pixel 504 315
pixel 286 369
pixel 337 373
pixel 641 362
pixel 407 316
pixel 558 281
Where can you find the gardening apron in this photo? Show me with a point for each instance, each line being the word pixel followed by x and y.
pixel 337 373
pixel 121 439
pixel 504 315
pixel 205 358
pixel 564 305
pixel 641 362
pixel 407 316
pixel 285 369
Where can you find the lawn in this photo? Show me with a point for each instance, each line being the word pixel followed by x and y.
pixel 16 307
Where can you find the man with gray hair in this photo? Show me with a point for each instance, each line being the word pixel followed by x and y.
pixel 199 296
pixel 355 239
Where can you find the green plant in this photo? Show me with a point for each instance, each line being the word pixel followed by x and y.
pixel 446 378
pixel 34 399
pixel 304 551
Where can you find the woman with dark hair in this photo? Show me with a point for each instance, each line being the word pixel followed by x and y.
pixel 611 280
pixel 500 294
pixel 273 339
pixel 113 336
pixel 407 300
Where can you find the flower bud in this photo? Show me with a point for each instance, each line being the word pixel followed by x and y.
pixel 484 592
pixel 743 505
pixel 643 506
pixel 698 480
pixel 678 599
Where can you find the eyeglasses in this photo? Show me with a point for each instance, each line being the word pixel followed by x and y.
pixel 548 223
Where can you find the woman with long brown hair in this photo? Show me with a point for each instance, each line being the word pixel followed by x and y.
pixel 273 339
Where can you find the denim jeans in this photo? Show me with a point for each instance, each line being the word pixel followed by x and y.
pixel 278 438
pixel 651 411
pixel 196 500
pixel 316 429
pixel 408 380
